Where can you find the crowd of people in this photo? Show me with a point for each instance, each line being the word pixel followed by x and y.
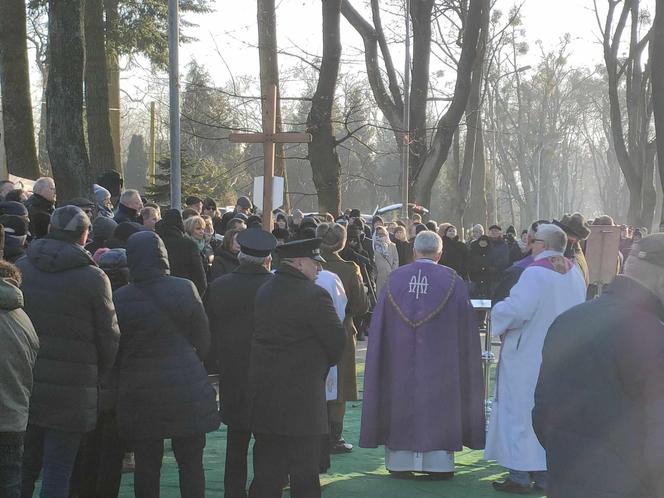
pixel 115 316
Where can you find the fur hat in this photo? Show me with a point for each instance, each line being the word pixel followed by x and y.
pixel 333 236
pixel 574 224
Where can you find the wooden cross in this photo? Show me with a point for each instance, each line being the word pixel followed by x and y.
pixel 269 138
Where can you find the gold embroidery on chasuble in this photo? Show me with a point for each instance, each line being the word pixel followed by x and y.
pixel 431 315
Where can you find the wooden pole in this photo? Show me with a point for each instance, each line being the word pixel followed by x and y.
pixel 269 128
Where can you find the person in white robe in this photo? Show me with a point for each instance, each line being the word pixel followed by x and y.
pixel 548 287
pixel 335 288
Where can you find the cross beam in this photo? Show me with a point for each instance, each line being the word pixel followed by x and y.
pixel 269 137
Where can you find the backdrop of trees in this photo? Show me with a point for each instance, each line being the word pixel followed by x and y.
pixel 492 134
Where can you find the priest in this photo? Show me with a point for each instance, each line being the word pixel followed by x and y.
pixel 423 386
pixel 551 285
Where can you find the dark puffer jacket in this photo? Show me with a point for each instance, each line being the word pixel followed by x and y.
pixel 599 402
pixel 164 389
pixel 69 302
pixel 224 263
pixel 183 254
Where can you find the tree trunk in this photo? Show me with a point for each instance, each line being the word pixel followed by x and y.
pixel 102 152
pixel 658 84
pixel 269 75
pixel 454 171
pixel 429 169
pixel 64 101
pixel 323 157
pixel 472 182
pixel 421 17
pixel 477 209
pixel 19 131
pixel 113 67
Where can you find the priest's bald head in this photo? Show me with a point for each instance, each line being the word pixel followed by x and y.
pixel 428 245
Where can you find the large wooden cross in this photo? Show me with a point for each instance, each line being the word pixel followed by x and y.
pixel 269 138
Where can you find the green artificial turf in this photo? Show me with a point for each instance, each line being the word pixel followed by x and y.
pixel 358 474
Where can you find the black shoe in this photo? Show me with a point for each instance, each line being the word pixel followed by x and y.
pixel 439 476
pixel 508 486
pixel 538 488
pixel 340 447
pixel 401 474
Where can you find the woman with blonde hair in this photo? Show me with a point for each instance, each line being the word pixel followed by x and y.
pixel 385 255
pixel 194 228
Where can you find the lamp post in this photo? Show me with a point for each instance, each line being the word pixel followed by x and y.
pixel 494 188
pixel 174 102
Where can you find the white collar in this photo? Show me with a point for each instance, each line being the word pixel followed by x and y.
pixel 547 254
pixel 426 260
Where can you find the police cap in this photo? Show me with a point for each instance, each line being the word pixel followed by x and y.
pixel 256 242
pixel 308 248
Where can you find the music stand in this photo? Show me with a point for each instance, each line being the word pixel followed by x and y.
pixel 487 355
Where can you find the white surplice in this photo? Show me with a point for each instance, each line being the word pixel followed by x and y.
pixel 523 319
pixel 335 288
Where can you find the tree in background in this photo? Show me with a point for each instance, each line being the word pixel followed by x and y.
pixel 322 149
pixel 199 177
pixel 64 100
pixel 100 140
pixel 136 167
pixel 19 132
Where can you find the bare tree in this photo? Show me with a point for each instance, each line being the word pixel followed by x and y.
pixel 64 100
pixel 427 154
pixel 631 144
pixel 19 132
pixel 102 152
pixel 658 84
pixel 322 149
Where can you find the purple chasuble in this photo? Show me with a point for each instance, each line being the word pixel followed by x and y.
pixel 423 384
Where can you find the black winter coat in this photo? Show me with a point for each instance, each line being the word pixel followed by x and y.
pixel 405 251
pixel 69 302
pixel 480 270
pixel 39 210
pixel 125 213
pixel 455 255
pixel 499 256
pixel 223 263
pixel 229 303
pixel 184 257
pixel 298 337
pixel 599 402
pixel 164 389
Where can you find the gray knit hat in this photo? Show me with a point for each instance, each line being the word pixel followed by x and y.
pixel 102 227
pixel 70 219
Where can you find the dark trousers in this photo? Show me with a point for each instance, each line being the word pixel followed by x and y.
pixel 11 454
pixel 235 475
pixel 148 454
pixel 98 470
pixel 54 452
pixel 276 456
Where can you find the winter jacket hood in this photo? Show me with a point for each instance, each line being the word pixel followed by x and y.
pixel 147 257
pixel 53 255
